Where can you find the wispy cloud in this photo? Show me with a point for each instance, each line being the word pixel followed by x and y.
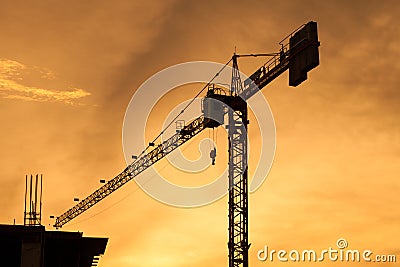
pixel 12 87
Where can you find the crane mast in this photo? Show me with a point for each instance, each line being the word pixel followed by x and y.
pixel 299 53
pixel 238 244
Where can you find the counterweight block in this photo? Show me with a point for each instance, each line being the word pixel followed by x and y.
pixel 307 58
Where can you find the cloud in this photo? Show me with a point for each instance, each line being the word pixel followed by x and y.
pixel 12 77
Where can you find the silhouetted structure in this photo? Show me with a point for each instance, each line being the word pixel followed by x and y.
pixel 33 200
pixel 33 246
pixel 299 54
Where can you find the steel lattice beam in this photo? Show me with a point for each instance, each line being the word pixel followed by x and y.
pixel 135 168
pixel 238 195
pixel 238 244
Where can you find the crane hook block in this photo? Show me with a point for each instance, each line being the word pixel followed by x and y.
pixel 213 155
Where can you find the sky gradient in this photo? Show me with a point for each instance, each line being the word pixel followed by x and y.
pixel 67 73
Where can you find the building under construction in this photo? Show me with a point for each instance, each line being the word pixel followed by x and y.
pixel 30 245
pixel 33 246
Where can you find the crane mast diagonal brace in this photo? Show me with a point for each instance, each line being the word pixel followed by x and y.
pixel 135 168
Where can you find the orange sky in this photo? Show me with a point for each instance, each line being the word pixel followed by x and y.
pixel 67 73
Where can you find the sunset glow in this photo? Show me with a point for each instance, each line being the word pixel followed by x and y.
pixel 69 68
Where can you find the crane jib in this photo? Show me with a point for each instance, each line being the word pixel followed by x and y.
pixel 135 168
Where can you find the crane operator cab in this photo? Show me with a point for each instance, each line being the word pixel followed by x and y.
pixel 213 108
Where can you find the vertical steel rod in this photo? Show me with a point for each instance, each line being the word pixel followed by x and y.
pixel 41 191
pixel 35 203
pixel 30 202
pixel 26 190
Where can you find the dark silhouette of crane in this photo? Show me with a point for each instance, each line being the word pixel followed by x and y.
pixel 298 53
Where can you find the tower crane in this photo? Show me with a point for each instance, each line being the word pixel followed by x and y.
pixel 298 53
